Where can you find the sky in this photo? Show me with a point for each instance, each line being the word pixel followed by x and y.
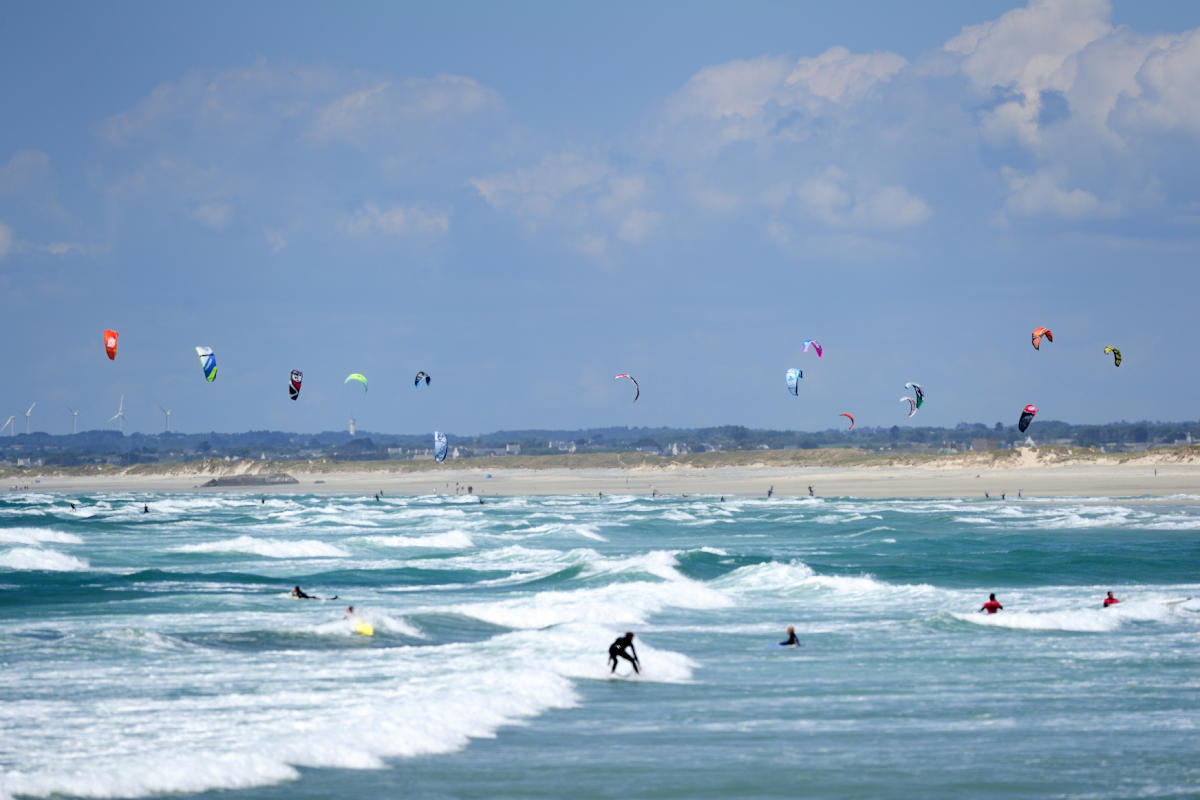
pixel 524 199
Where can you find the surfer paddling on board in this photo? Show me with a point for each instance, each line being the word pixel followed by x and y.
pixel 1110 600
pixel 792 641
pixel 301 594
pixel 992 605
pixel 618 648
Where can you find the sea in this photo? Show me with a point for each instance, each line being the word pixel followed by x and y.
pixel 158 653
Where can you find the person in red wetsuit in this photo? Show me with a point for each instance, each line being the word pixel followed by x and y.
pixel 991 606
pixel 1110 600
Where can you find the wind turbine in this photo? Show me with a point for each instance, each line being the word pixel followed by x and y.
pixel 120 415
pixel 74 419
pixel 8 422
pixel 167 414
pixel 27 413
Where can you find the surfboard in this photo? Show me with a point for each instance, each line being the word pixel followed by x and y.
pixel 1174 601
pixel 364 627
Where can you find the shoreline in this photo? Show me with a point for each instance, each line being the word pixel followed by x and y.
pixel 1133 479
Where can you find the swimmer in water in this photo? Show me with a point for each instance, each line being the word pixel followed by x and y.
pixel 792 641
pixel 991 606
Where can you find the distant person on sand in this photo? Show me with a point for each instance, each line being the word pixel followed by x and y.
pixel 792 641
pixel 619 647
pixel 991 606
pixel 1110 600
pixel 300 593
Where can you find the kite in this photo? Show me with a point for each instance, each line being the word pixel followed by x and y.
pixel 294 385
pixel 1026 417
pixel 793 381
pixel 209 362
pixel 814 344
pixel 918 391
pixel 354 376
pixel 637 389
pixel 1116 354
pixel 439 446
pixel 850 417
pixel 420 375
pixel 1038 333
pixel 912 404
pixel 110 344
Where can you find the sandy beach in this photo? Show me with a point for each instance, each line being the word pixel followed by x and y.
pixel 1031 474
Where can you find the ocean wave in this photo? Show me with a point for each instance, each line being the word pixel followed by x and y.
pixel 452 540
pixel 269 548
pixel 34 559
pixel 37 536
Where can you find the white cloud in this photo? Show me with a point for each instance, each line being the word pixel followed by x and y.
pixel 5 240
pixel 397 221
pixel 535 193
pixel 212 215
pixel 1167 96
pixel 1040 195
pixel 64 248
pixel 385 106
pixel 835 200
pixel 1027 48
pixel 275 239
pixel 839 75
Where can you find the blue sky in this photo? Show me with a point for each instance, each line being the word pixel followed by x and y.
pixel 526 199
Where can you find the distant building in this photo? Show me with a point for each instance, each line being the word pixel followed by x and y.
pixel 984 444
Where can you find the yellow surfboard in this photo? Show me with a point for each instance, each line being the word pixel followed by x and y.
pixel 364 627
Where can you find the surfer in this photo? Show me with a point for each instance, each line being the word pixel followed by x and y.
pixel 618 648
pixel 1110 600
pixel 810 491
pixel 146 509
pixel 991 606
pixel 791 639
pixel 299 593
pixel 770 492
pixel 349 612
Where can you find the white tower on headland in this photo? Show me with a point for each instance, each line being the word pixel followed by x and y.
pixel 352 426
pixel 74 419
pixel 27 413
pixel 120 415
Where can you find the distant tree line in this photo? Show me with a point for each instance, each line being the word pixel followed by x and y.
pixel 111 446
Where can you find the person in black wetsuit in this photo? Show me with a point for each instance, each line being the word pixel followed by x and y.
pixel 298 592
pixel 619 647
pixel 791 639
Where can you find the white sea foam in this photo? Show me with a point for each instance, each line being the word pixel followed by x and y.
pixel 35 559
pixel 270 548
pixel 37 536
pixel 452 540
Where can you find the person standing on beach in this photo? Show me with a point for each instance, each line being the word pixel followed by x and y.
pixel 991 606
pixel 619 648
pixel 1110 600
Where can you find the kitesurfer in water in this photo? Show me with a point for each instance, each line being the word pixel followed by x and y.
pixel 1110 600
pixel 991 606
pixel 146 508
pixel 791 639
pixel 619 647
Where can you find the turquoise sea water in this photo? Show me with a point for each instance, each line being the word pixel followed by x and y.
pixel 149 654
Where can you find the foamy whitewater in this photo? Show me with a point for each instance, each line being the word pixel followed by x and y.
pixel 160 653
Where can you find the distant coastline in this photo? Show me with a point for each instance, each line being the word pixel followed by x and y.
pixel 1031 472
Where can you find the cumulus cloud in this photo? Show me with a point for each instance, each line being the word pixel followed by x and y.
pixel 587 199
pixel 833 199
pixel 397 221
pixel 1040 196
